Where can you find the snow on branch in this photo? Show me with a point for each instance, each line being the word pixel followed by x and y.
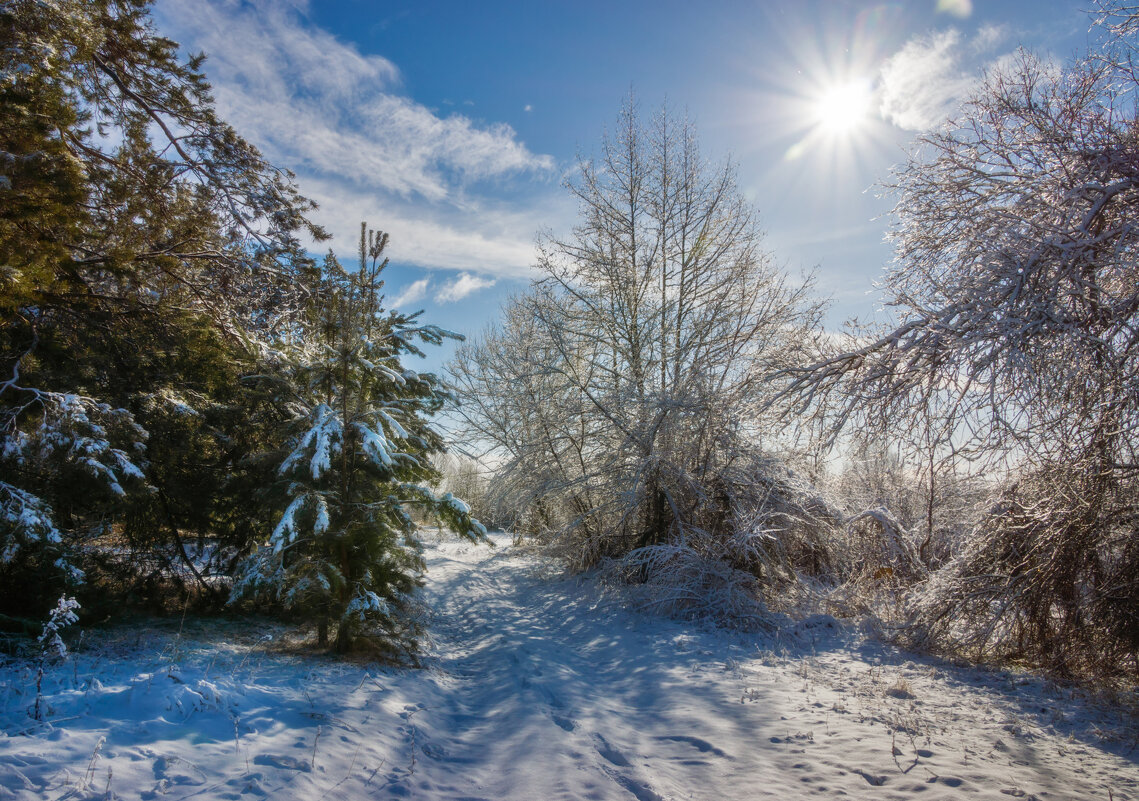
pixel 375 445
pixel 61 617
pixel 30 516
pixel 324 439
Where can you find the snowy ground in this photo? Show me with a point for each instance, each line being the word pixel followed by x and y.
pixel 539 687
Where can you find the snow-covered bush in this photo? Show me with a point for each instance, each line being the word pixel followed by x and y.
pixel 677 581
pixel 781 527
pixel 62 616
pixel 880 550
pixel 1050 573
pixel 768 540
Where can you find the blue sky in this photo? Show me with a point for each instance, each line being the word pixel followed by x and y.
pixel 452 125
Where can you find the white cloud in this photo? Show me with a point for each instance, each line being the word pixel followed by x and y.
pixel 925 81
pixel 462 286
pixel 487 237
pixel 317 103
pixel 333 115
pixel 989 36
pixel 412 293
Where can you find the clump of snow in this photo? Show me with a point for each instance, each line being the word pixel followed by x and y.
pixel 320 525
pixel 393 425
pixel 286 530
pixel 365 604
pixel 456 504
pixel 375 445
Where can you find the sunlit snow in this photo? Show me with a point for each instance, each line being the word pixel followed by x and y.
pixel 540 686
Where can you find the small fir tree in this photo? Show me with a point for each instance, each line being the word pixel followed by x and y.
pixel 346 552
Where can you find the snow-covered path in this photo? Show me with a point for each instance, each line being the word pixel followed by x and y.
pixel 544 693
pixel 540 688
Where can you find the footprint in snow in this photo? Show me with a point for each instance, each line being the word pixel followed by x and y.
pixel 871 779
pixel 433 751
pixel 565 724
pixel 284 762
pixel 639 791
pixel 411 709
pixel 703 746
pixel 249 786
pixel 174 770
pixel 609 752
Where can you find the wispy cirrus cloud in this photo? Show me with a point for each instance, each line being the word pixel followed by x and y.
pixel 931 75
pixel 487 236
pixel 362 149
pixel 924 81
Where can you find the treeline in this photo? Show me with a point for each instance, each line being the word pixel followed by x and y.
pixel 192 410
pixel 662 401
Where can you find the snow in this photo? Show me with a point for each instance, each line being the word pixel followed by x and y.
pixel 457 504
pixel 28 514
pixel 324 437
pixel 374 445
pixel 543 686
pixel 322 522
pixel 286 529
pixel 393 425
pixel 365 602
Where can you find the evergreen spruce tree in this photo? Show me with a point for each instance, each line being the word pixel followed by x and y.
pixel 345 551
pixel 147 252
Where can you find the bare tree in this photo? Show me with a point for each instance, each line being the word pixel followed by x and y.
pixel 624 392
pixel 1017 339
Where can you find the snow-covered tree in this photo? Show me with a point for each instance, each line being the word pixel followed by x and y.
pixel 623 393
pixel 145 249
pixel 67 441
pixel 1017 291
pixel 345 551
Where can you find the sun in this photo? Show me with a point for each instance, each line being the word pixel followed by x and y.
pixel 843 108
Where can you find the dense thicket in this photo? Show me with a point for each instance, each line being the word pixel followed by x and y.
pixel 143 246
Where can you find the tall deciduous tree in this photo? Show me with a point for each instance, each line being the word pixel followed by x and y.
pixel 623 392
